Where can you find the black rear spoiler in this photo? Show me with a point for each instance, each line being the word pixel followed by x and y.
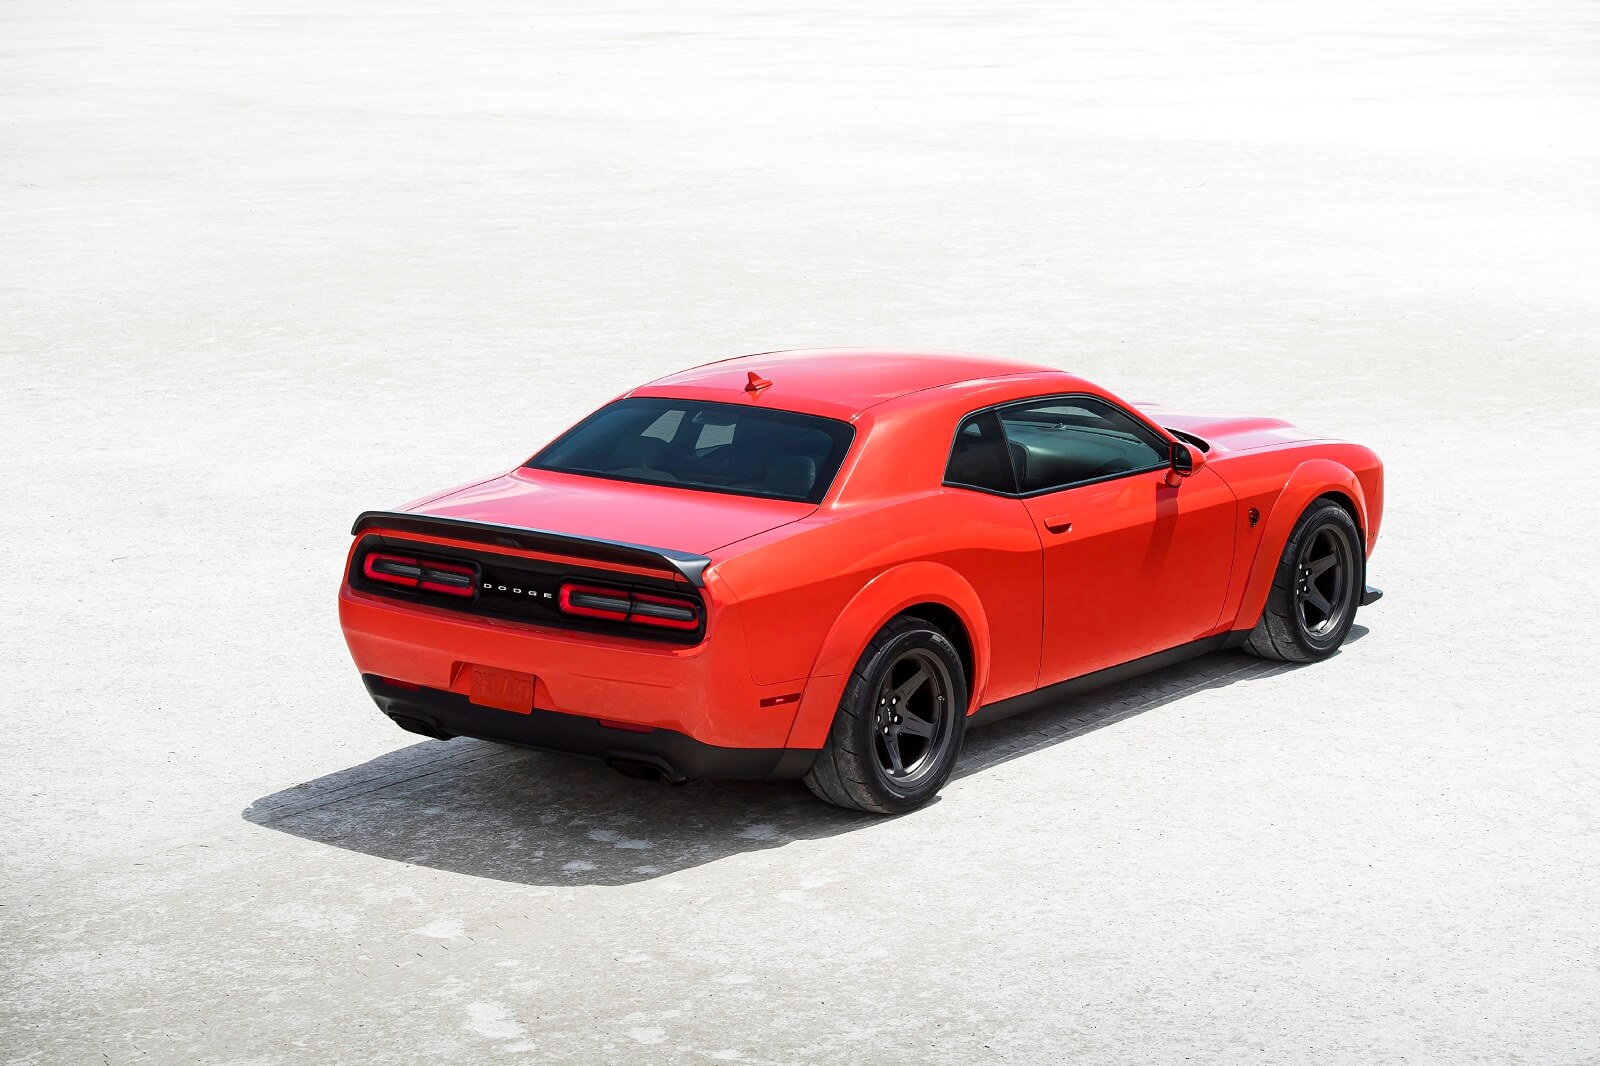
pixel 691 566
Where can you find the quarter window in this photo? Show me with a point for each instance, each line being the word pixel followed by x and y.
pixel 979 458
pixel 1066 441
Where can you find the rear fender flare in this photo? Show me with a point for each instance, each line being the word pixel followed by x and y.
pixel 884 597
pixel 1311 479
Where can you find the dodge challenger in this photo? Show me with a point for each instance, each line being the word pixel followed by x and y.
pixel 829 564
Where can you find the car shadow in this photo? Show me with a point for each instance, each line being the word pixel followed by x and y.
pixel 534 818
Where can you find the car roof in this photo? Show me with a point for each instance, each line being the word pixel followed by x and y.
pixel 840 382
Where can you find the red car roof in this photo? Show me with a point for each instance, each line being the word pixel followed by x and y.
pixel 839 382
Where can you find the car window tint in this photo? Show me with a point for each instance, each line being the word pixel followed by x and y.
pixel 665 426
pixel 714 435
pixel 978 457
pixel 714 447
pixel 1067 441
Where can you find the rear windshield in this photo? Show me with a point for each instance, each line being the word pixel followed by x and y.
pixel 716 447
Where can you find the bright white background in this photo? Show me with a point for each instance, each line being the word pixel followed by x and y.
pixel 264 265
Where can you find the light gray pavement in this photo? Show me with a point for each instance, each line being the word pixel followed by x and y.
pixel 265 265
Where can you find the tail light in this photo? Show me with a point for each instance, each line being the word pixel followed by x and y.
pixel 588 601
pixel 622 605
pixel 425 575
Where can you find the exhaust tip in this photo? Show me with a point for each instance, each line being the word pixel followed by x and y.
pixel 641 770
pixel 420 727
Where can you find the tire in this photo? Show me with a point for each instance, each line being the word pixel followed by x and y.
pixel 1316 589
pixel 910 673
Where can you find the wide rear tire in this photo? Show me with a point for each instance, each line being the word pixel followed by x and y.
pixel 900 724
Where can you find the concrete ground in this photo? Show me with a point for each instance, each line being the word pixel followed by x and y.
pixel 264 265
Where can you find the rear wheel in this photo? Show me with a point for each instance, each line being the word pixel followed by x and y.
pixel 1316 589
pixel 899 727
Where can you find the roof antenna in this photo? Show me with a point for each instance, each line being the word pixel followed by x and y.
pixel 756 383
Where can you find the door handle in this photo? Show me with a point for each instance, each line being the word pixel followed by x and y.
pixel 1059 524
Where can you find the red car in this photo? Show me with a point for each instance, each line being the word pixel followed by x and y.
pixel 828 564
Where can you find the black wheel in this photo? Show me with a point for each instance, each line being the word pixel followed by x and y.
pixel 900 724
pixel 1316 589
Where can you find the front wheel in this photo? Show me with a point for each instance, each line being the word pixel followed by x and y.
pixel 899 727
pixel 1316 589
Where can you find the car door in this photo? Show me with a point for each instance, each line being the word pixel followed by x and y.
pixel 1132 565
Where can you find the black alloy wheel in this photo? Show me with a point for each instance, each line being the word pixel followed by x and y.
pixel 913 717
pixel 1315 590
pixel 1325 580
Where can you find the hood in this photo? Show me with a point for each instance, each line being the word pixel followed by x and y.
pixel 1228 433
pixel 687 520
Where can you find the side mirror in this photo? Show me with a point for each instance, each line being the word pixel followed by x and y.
pixel 1186 459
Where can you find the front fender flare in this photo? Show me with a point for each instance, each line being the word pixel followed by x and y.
pixel 1311 479
pixel 885 596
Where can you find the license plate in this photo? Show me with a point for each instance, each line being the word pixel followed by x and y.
pixel 502 690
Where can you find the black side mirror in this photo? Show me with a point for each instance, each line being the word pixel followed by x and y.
pixel 1185 459
pixel 1182 461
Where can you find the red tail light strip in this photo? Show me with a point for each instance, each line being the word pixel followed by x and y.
pixel 620 605
pixel 407 571
pixel 392 569
pixel 496 589
pixel 448 578
pixel 668 611
pixel 587 601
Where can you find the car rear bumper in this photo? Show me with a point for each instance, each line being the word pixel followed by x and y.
pixel 440 714
pixel 703 692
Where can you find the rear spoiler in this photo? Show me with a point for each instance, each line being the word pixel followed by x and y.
pixel 691 566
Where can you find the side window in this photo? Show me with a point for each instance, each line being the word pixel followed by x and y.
pixel 1065 441
pixel 979 458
